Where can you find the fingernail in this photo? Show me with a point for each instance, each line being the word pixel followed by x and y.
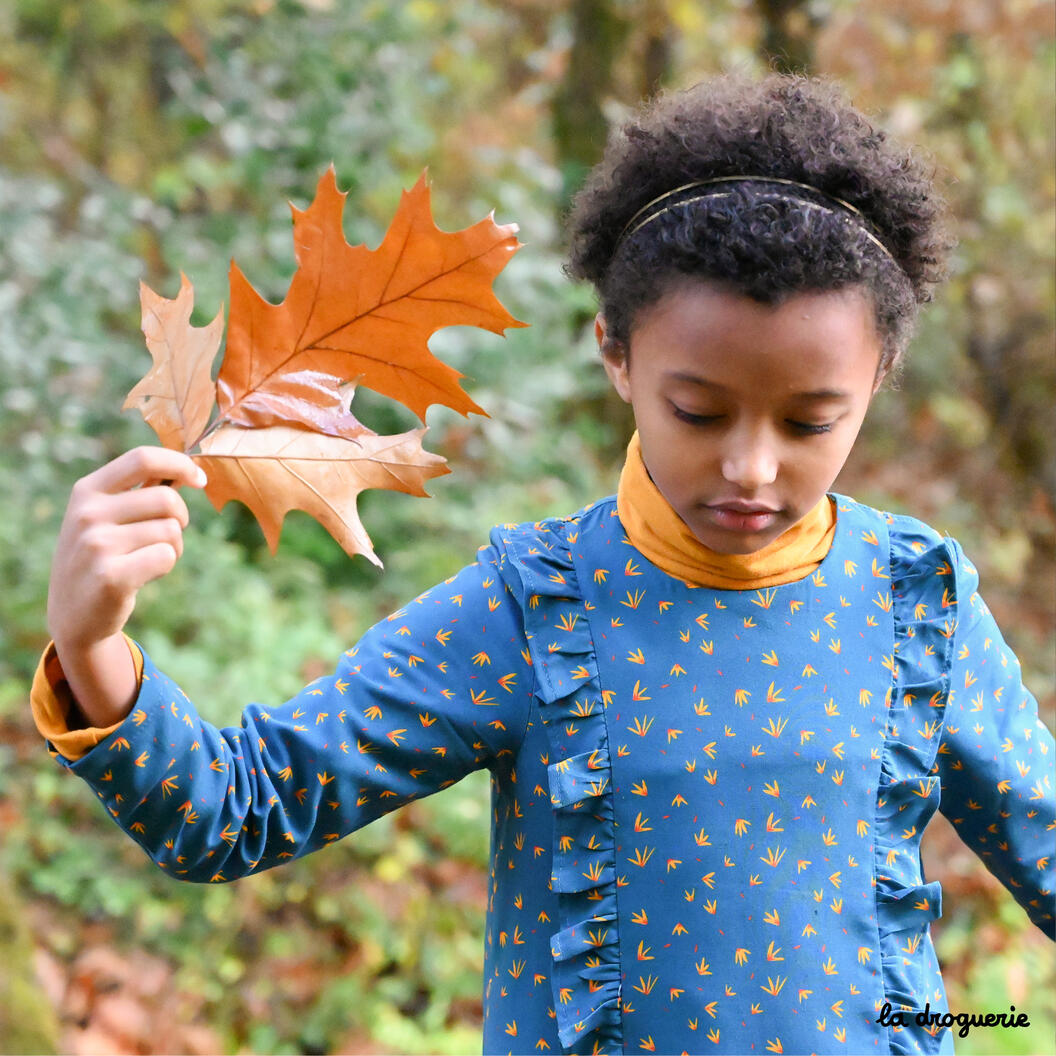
pixel 202 478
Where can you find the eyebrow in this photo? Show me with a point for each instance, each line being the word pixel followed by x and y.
pixel 814 394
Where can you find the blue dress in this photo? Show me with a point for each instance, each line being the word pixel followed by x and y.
pixel 707 805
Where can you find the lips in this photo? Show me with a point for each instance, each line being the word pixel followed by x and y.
pixel 741 506
pixel 738 515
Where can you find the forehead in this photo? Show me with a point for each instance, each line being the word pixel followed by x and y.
pixel 809 342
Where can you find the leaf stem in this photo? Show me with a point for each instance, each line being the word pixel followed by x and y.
pixel 209 430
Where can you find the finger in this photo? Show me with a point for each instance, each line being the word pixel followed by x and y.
pixel 126 539
pixel 142 465
pixel 144 504
pixel 101 549
pixel 147 563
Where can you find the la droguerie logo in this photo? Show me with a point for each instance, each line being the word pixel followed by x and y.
pixel 963 1020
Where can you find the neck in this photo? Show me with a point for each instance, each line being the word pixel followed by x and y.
pixel 655 529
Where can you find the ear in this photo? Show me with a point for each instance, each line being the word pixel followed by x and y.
pixel 878 381
pixel 614 359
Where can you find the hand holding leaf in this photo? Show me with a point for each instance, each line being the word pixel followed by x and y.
pixel 284 436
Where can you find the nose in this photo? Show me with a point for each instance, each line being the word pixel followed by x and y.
pixel 750 460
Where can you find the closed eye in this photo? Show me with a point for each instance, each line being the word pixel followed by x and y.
pixel 802 428
pixel 808 428
pixel 694 419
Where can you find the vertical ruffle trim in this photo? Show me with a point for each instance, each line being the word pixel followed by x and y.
pixel 925 616
pixel 586 976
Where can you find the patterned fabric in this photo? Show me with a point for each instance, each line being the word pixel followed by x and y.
pixel 55 712
pixel 707 805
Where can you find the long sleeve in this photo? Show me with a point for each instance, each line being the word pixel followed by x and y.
pixel 54 709
pixel 436 690
pixel 996 758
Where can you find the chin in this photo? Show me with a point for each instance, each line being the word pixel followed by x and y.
pixel 734 544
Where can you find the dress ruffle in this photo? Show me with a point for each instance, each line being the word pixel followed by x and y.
pixel 586 975
pixel 924 609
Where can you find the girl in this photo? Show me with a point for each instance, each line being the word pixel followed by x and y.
pixel 718 707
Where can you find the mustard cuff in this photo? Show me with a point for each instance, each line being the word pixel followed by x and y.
pixel 56 714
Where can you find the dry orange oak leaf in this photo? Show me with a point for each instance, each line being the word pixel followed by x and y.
pixel 284 436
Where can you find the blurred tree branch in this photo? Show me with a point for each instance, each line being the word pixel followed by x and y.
pixel 788 30
pixel 579 123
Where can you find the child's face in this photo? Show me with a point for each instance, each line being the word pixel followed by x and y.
pixel 746 412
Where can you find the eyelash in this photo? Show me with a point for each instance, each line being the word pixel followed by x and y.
pixel 803 428
pixel 810 430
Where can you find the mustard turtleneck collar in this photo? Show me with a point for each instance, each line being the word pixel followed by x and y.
pixel 661 535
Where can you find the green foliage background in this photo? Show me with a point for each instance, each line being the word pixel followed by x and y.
pixel 145 138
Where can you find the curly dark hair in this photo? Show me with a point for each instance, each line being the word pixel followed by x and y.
pixel 759 239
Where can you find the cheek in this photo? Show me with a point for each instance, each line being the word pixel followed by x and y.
pixel 673 464
pixel 813 464
pixel 682 467
pixel 824 465
pixel 817 457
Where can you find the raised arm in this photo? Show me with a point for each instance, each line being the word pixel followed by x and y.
pixel 440 688
pixel 122 529
pixel 433 692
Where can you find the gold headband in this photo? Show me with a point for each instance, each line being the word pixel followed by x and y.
pixel 634 225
